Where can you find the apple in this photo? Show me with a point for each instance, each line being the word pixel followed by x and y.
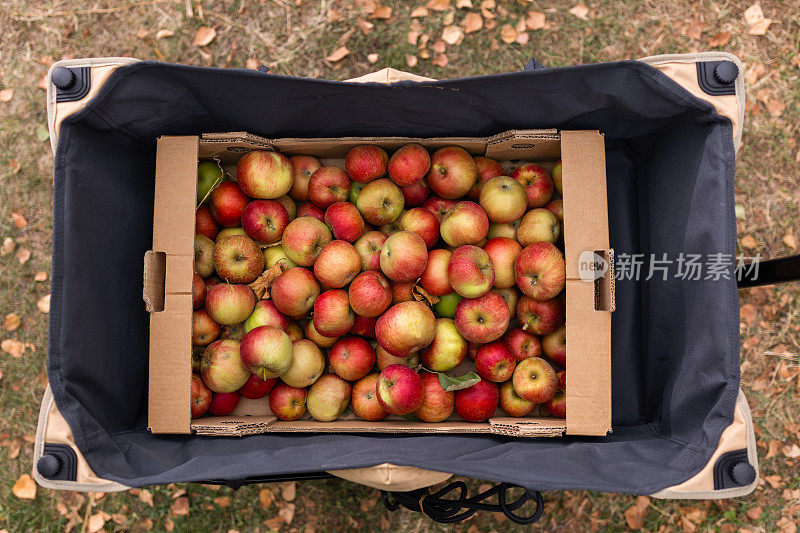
pixel 328 397
pixel 402 292
pixel 465 223
pixel 557 405
pixel 557 208
pixel 302 168
pixel 287 402
pixel 234 331
pixel 384 359
pixel 478 402
pixel 380 202
pixel 409 165
pixel 472 349
pixel 435 279
pixel 209 174
pixel 211 281
pixel 277 254
pixel 392 227
pixel 404 256
pixel 263 174
pixel 448 348
pixel 338 264
pixel 327 186
pixel 510 295
pixel 400 390
pixel 317 338
pixel 508 229
pixel 204 329
pixel 229 232
pixel 405 328
pixel 523 344
pixel 556 175
pixel 229 304
pixel 304 238
pixel 227 203
pixel 288 204
pixel 366 163
pixel 495 361
pixel 487 169
pixel 201 397
pixel 538 225
pixel 540 317
pixel 310 210
pixel 204 223
pixel 294 291
pixel 332 314
pixel 537 182
pixel 437 404
pixel 512 403
pixel 308 364
pixel 369 248
pixel 482 319
pixel 365 399
pixel 197 356
pixel 416 194
pixel 447 304
pixel 540 271
pixel 438 206
pixel 370 294
pixel 503 253
pixel 265 220
pixel 422 222
pixel 223 403
pixel 470 271
pixel 364 326
pixel 355 190
pixel 554 346
pixel 452 173
pixel 266 313
pixel 222 368
pixel 503 199
pixel 256 387
pixel 203 256
pixel 238 259
pixel 266 351
pixel 294 331
pixel 198 292
pixel 345 221
pixel 352 358
pixel 535 380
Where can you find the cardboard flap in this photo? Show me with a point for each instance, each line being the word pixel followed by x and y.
pixel 540 145
pixel 155 267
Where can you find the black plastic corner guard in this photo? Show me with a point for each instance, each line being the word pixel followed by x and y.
pixel 717 78
pixel 72 83
pixel 733 469
pixel 58 462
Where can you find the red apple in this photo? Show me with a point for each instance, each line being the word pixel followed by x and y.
pixel 406 328
pixel 400 390
pixel 304 238
pixel 482 319
pixel 288 204
pixel 328 397
pixel 294 291
pixel 478 402
pixel 352 358
pixel 437 404
pixel 223 403
pixel 402 292
pixel 204 329
pixel 308 364
pixel 265 313
pixel 345 221
pixel 364 326
pixel 554 346
pixel 438 206
pixel 503 199
pixel 333 316
pixel 235 332
pixel 537 182
pixel 370 294
pixel 470 271
pixel 366 163
pixel 337 264
pixel 416 194
pixel 204 223
pixel 422 222
pixel 487 168
pixel 510 295
pixel 540 271
pixel 452 173
pixel 495 362
pixel 256 387
pixel 503 253
pixel 538 225
pixel 302 168
pixel 201 397
pixel 540 317
pixel 392 227
pixel 227 203
pixel 409 165
pixel 369 248
pixel 448 348
pixel 557 208
pixel 198 292
pixel 238 259
pixel 512 403
pixel 203 256
pixel 310 210
pixel 465 223
pixel 404 256
pixel 294 331
pixel 229 304
pixel 266 351
pixel 265 220
pixel 327 186
pixel 384 359
pixel 222 368
pixel 523 344
pixel 380 202
pixel 365 399
pixel 287 402
pixel 557 405
pixel 263 174
pixel 535 380
pixel 320 340
pixel 435 279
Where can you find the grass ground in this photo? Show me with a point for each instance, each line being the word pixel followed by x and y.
pixel 295 37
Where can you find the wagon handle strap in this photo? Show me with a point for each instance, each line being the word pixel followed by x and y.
pixel 450 511
pixel 781 270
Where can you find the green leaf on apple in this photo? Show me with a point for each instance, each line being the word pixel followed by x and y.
pixel 454 383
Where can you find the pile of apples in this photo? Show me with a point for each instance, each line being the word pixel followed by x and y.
pixel 308 277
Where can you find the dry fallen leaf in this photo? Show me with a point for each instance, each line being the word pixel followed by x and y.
pixel 535 20
pixel 222 501
pixel 180 507
pixel 42 82
pixel 472 22
pixel 773 447
pixel 452 34
pixel 754 513
pixel 508 34
pixel 373 58
pixel 695 28
pixel 6 95
pixel 25 487
pixel 11 322
pixel 754 14
pixel 164 34
pixel 747 313
pixel 412 37
pixel 636 513
pixel 775 481
pixel 142 33
pixel 12 347
pixel 204 36
pixel 439 46
pixel 286 513
pixel 44 304
pixel 23 256
pixel 775 107
pixel 749 242
pixel 438 5
pixel 146 497
pixel 580 11
pixel 486 9
pixel 523 38
pixel 381 12
pixel 95 523
pixel 338 54
pixel 334 16
pixel 19 220
pixel 40 276
pixel 792 452
pixel 463 4
pixel 365 26
pixel 265 498
pixel 419 12
pixel 790 241
pixel 440 60
pixel 720 39
pixel 7 247
pixel 411 60
pixel 289 490
pixel 14 166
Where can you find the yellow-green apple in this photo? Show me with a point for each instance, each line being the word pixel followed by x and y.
pixel 446 306
pixel 233 331
pixel 537 182
pixel 512 403
pixel 327 186
pixel 238 259
pixel 540 271
pixel 380 202
pixel 478 402
pixel 266 314
pixel 198 292
pixel 452 173
pixel 209 174
pixel 557 208
pixel 508 230
pixel 229 304
pixel 465 223
pixel 201 397
pixel 416 194
pixel 438 206
pixel 557 405
pixel 402 292
pixel 437 403
pixel 230 232
pixel 470 271
pixel 328 397
pixel 223 403
pixel 384 359
pixel 495 362
pixel 482 319
pixel 409 165
pixel 263 174
pixel 345 221
pixel 304 238
pixel 448 348
pixel 338 264
pixel 370 294
pixel 333 316
pixel 538 225
pixel 204 223
pixel 317 338
pixel 288 204
pixel 405 328
pixel 365 399
pixel 503 199
pixel 366 162
pixel 277 254
pixel 294 331
pixel 369 248
pixel 556 175
pixel 203 256
pixel 352 358
pixel 266 351
pixel 222 368
pixel 364 326
pixel 510 295
pixel 503 253
pixel 400 390
pixel 422 222
pixel 287 402
pixel 535 380
pixel 554 346
pixel 265 220
pixel 256 387
pixel 294 291
pixel 435 279
pixel 355 190
pixel 310 210
pixel 227 203
pixel 308 364
pixel 302 168
pixel 540 317
pixel 523 344
pixel 487 169
pixel 204 329
pixel 404 256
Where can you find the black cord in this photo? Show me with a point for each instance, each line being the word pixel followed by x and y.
pixel 451 511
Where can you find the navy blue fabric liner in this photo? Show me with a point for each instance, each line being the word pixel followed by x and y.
pixel 675 347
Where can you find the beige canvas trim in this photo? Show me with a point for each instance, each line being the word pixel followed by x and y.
pixel 387 476
pixel 388 75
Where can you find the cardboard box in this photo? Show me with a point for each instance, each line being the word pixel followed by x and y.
pixel 168 282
